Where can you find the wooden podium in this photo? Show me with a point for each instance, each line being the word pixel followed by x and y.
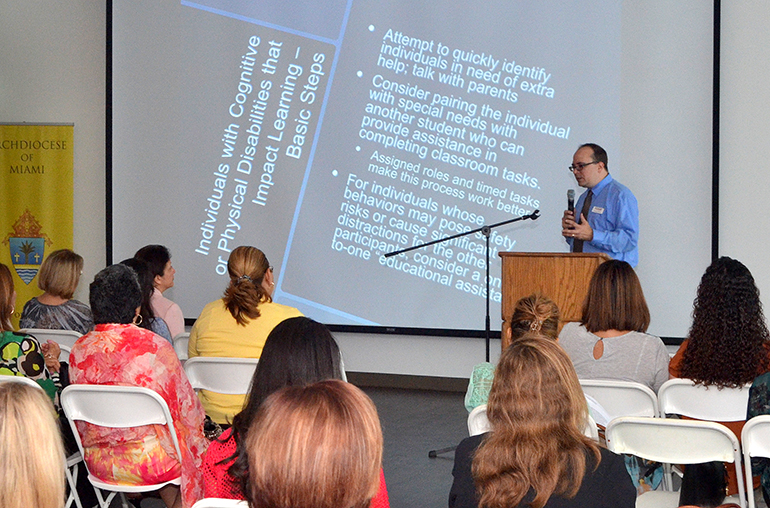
pixel 562 277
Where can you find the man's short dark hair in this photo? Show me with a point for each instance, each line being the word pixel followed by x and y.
pixel 600 154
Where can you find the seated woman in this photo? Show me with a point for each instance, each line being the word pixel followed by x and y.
pixel 536 454
pixel 31 447
pixel 238 324
pixel 22 354
pixel 158 259
pixel 299 351
pixel 728 344
pixel 55 309
pixel 533 313
pixel 316 446
pixel 148 319
pixel 610 341
pixel 118 352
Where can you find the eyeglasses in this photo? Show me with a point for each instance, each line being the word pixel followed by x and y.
pixel 270 268
pixel 580 165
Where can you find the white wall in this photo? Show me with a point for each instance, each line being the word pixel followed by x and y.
pixel 744 149
pixel 52 69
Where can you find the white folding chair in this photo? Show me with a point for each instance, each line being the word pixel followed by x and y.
pixel 221 375
pixel 622 398
pixel 119 407
pixel 755 440
pixel 19 379
pixel 684 397
pixel 72 462
pixel 61 337
pixel 180 345
pixel 479 424
pixel 477 420
pixel 213 502
pixel 65 353
pixel 675 441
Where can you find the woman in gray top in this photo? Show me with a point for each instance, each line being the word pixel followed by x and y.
pixel 610 341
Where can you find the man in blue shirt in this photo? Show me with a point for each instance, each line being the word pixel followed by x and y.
pixel 608 213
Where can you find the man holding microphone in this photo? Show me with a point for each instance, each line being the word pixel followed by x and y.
pixel 606 216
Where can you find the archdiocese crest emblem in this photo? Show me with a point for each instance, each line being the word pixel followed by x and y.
pixel 27 246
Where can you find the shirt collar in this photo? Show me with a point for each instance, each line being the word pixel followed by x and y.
pixel 596 189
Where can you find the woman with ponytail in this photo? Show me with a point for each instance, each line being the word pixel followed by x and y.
pixel 238 324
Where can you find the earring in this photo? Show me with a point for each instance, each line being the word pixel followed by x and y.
pixel 139 322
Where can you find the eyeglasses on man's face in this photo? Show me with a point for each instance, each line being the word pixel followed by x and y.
pixel 580 165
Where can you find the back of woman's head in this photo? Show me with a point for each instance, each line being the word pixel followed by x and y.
pixel 6 299
pixel 145 278
pixel 247 267
pixel 535 313
pixel 317 446
pixel 537 412
pixel 31 447
pixel 60 273
pixel 298 352
pixel 615 300
pixel 114 295
pixel 728 333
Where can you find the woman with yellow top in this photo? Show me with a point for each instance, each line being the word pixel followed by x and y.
pixel 238 324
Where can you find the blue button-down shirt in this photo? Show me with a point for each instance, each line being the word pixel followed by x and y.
pixel 614 217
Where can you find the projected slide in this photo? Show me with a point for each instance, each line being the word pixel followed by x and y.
pixel 330 133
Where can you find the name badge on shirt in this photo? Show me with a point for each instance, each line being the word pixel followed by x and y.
pixel 597 209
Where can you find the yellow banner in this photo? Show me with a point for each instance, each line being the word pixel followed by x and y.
pixel 36 168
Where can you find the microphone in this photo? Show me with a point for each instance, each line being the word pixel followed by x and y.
pixel 571 200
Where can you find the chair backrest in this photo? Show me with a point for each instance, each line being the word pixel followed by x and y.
pixel 477 420
pixel 478 423
pixel 61 337
pixel 180 345
pixel 116 406
pixel 221 375
pixel 622 398
pixel 684 397
pixel 213 502
pixel 676 441
pixel 19 379
pixel 755 441
pixel 65 353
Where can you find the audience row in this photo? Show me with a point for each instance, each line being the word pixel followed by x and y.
pixel 535 454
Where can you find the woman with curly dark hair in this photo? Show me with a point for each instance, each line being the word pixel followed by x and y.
pixel 728 344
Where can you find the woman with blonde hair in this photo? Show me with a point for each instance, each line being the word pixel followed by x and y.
pixel 31 447
pixel 315 446
pixel 55 309
pixel 536 454
pixel 611 342
pixel 238 324
pixel 534 313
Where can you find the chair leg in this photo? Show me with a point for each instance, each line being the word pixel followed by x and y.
pixel 72 480
pixel 104 503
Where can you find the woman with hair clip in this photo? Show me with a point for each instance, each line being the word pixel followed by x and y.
pixel 728 344
pixel 31 447
pixel 611 342
pixel 316 446
pixel 536 454
pixel 298 352
pixel 533 313
pixel 238 324
pixel 55 309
